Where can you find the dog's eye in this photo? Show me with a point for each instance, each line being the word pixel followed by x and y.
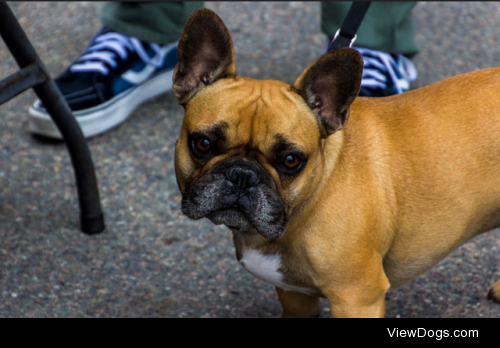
pixel 203 144
pixel 292 162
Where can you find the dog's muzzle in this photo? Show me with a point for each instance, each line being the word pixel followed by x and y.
pixel 239 194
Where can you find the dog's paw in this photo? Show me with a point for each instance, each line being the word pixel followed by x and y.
pixel 494 293
pixel 302 316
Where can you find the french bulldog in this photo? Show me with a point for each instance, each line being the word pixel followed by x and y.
pixel 328 194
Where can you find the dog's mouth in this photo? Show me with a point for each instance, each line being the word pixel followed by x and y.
pixel 232 217
pixel 244 199
pixel 238 221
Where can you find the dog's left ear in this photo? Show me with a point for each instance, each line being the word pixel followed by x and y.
pixel 329 86
pixel 205 54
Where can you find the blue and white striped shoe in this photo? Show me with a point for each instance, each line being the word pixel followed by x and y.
pixel 385 74
pixel 113 76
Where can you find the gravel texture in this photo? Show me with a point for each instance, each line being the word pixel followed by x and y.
pixel 151 261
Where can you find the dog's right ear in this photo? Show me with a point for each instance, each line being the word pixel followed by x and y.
pixel 205 54
pixel 329 86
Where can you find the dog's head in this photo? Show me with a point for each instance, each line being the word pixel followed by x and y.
pixel 251 151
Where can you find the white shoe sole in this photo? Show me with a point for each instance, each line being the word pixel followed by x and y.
pixel 102 118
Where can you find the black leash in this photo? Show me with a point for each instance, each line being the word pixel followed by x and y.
pixel 346 35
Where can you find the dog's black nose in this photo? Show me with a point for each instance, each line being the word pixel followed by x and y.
pixel 243 175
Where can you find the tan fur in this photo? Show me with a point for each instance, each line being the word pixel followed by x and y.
pixel 407 180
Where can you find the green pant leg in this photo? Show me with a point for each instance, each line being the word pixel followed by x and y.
pixel 388 26
pixel 159 22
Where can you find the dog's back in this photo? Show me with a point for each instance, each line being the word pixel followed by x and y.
pixel 441 151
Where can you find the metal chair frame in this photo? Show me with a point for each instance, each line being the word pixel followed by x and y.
pixel 33 74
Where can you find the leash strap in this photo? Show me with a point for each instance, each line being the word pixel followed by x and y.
pixel 346 35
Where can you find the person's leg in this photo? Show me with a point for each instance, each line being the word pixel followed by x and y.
pixel 387 26
pixel 386 34
pixel 128 61
pixel 159 22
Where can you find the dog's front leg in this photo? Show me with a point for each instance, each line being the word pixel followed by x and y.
pixel 297 305
pixel 364 297
pixel 359 308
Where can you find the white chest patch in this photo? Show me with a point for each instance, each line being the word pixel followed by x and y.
pixel 265 267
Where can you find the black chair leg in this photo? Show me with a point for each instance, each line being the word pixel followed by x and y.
pixel 92 218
